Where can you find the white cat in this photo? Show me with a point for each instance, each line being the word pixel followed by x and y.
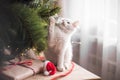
pixel 59 50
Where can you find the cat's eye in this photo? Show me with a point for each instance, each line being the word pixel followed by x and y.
pixel 68 22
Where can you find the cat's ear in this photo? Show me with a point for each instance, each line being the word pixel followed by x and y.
pixel 75 24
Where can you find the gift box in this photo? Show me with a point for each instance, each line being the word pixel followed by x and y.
pixel 19 70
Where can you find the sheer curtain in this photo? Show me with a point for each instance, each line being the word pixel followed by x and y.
pixel 99 34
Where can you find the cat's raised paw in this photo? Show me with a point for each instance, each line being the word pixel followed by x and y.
pixel 52 20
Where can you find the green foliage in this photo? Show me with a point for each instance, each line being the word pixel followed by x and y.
pixel 33 24
pixel 45 8
pixel 34 16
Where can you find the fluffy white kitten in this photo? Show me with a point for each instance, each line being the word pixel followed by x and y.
pixel 59 50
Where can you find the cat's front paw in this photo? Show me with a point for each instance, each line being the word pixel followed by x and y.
pixel 60 69
pixel 67 65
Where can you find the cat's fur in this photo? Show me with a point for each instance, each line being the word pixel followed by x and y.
pixel 59 50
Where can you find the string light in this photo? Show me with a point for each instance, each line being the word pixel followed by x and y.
pixel 17 49
pixel 8 46
pixel 34 49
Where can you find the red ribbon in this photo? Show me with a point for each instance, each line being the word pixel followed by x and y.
pixel 42 58
pixel 27 62
pixel 65 74
pixel 12 64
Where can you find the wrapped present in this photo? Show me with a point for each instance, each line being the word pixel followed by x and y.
pixel 19 70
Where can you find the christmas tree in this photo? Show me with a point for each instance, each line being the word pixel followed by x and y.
pixel 34 17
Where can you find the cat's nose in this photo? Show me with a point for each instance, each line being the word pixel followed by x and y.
pixel 62 20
